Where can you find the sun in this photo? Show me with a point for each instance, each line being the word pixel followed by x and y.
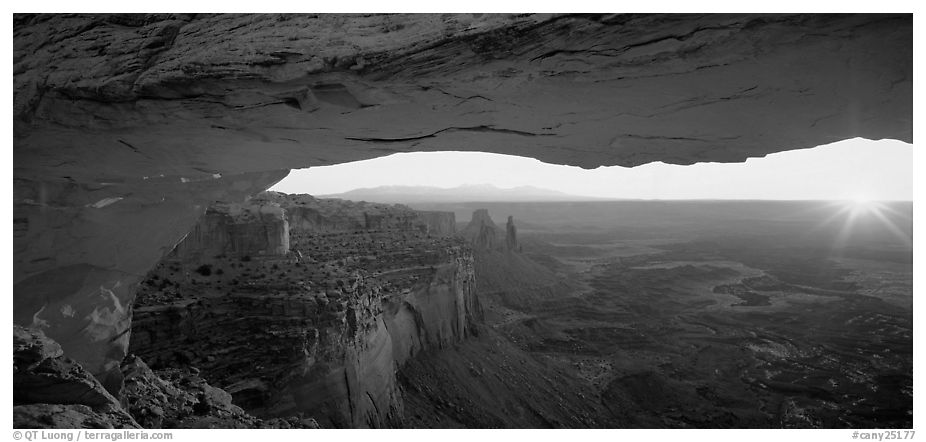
pixel 862 210
pixel 861 204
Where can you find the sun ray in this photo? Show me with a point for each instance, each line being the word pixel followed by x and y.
pixel 907 240
pixel 855 213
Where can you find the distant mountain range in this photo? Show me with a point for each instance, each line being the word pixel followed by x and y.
pixel 464 193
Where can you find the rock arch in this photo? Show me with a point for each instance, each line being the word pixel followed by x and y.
pixel 127 126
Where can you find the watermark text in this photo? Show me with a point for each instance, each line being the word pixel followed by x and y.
pixel 90 435
pixel 884 435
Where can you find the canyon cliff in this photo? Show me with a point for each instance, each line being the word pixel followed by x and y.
pixel 320 215
pixel 321 331
pixel 237 230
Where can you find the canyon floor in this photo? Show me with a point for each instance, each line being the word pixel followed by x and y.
pixel 674 315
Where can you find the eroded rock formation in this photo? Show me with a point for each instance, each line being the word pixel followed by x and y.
pixel 322 330
pixel 126 127
pixel 511 235
pixel 503 273
pixel 439 223
pixel 481 232
pixel 308 213
pixel 52 390
pixel 237 230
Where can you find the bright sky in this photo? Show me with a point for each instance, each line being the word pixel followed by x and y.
pixel 850 169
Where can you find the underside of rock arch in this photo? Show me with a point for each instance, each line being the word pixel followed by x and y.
pixel 127 126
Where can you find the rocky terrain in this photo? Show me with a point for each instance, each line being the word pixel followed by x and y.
pixel 317 330
pixel 51 390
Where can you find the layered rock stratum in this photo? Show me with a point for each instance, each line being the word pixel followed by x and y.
pixel 237 230
pixel 127 127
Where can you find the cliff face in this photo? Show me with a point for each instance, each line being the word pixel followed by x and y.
pixel 333 215
pixel 238 230
pixel 439 223
pixel 317 333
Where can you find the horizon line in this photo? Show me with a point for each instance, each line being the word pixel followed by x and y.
pixel 620 199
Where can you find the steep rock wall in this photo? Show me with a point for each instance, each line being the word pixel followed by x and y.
pixel 236 229
pixel 306 218
pixel 439 223
pixel 333 359
pixel 310 214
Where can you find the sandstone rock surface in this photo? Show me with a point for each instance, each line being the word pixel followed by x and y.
pixel 69 416
pixel 126 127
pixel 308 213
pixel 481 232
pixel 237 230
pixel 51 390
pixel 439 223
pixel 182 399
pixel 42 374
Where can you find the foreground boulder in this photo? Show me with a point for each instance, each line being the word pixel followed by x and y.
pixel 51 390
pixel 69 416
pixel 180 398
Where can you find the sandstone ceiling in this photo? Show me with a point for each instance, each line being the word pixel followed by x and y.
pixel 127 126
